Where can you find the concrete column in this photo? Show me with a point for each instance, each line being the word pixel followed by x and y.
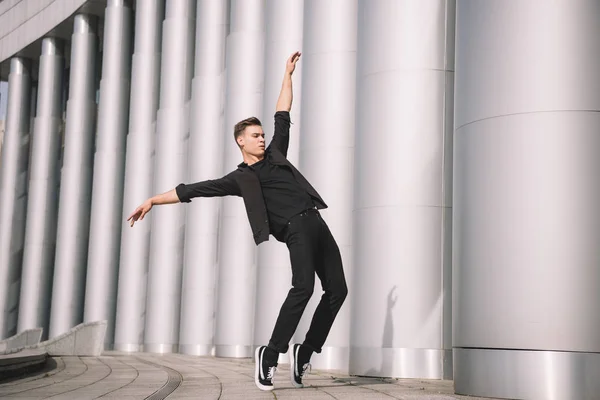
pixel 237 251
pixel 42 207
pixel 139 174
pixel 109 168
pixel 13 191
pixel 401 322
pixel 198 292
pixel 168 222
pixel 526 194
pixel 76 181
pixel 284 29
pixel 327 145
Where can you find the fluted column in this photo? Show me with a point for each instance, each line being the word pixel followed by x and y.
pixel 401 322
pixel 205 152
pixel 76 181
pixel 284 26
pixel 139 175
pixel 42 208
pixel 168 222
pixel 237 251
pixel 13 191
pixel 109 168
pixel 327 144
pixel 526 258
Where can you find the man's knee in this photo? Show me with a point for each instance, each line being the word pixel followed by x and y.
pixel 304 290
pixel 339 293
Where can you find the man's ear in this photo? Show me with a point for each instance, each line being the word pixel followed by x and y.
pixel 239 140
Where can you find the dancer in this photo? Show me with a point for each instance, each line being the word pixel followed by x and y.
pixel 279 201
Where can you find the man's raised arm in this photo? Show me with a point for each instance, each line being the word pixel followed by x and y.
pixel 284 103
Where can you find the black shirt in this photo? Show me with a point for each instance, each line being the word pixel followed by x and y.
pixel 283 195
pixel 244 182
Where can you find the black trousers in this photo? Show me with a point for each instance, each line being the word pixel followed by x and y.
pixel 313 250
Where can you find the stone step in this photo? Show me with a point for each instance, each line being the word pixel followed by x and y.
pixel 22 362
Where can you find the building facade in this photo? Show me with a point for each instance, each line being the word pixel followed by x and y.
pixel 452 140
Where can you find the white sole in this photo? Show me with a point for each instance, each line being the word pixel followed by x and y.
pixel 257 371
pixel 292 367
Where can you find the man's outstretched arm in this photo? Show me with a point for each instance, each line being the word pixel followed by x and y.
pixel 225 186
pixel 169 197
pixel 284 102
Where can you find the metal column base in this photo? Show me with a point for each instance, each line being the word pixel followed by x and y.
pixel 128 347
pixel 160 348
pixel 197 349
pixel 234 351
pixel 522 374
pixel 331 358
pixel 401 362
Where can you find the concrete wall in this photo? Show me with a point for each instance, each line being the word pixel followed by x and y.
pixel 22 22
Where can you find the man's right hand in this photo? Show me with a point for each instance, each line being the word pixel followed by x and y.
pixel 140 212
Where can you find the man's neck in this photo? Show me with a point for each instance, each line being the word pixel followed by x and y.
pixel 250 159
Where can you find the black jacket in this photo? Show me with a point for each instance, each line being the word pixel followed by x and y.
pixel 244 182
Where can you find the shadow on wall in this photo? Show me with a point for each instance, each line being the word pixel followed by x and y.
pixel 387 341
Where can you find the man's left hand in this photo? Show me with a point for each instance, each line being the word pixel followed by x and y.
pixel 291 62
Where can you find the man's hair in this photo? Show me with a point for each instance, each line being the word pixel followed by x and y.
pixel 240 126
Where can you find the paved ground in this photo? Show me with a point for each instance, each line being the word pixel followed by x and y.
pixel 175 376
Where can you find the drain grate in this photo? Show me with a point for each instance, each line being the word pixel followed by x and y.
pixel 173 381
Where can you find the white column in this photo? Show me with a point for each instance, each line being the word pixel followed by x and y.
pixel 237 251
pixel 13 191
pixel 401 321
pixel 139 175
pixel 109 169
pixel 76 181
pixel 327 145
pixel 42 207
pixel 198 292
pixel 526 194
pixel 284 28
pixel 168 222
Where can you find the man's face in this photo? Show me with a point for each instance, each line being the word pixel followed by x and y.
pixel 252 141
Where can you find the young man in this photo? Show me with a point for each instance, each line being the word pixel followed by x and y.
pixel 281 202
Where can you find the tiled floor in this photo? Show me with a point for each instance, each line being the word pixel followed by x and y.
pixel 175 376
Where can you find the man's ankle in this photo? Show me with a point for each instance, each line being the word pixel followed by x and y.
pixel 304 353
pixel 271 356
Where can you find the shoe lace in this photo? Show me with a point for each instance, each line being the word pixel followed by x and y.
pixel 271 373
pixel 305 367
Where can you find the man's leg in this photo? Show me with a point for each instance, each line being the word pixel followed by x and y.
pixel 331 273
pixel 302 243
pixel 303 246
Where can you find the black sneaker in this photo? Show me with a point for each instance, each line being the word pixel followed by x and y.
pixel 299 364
pixel 263 373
